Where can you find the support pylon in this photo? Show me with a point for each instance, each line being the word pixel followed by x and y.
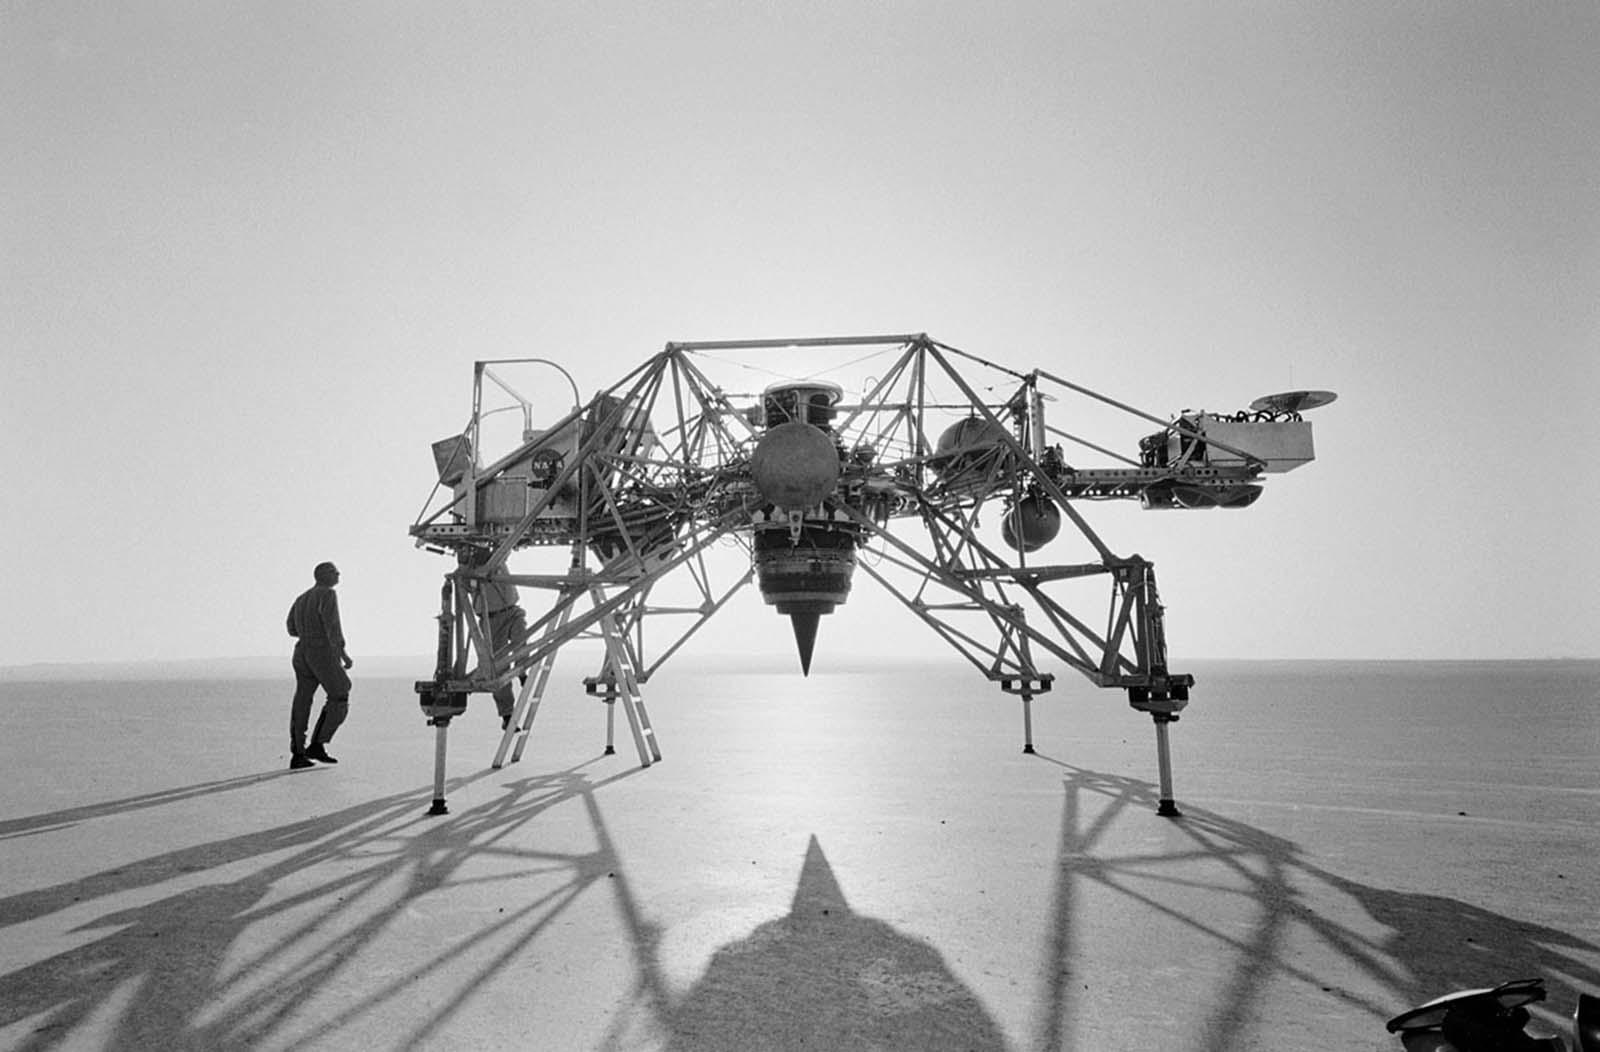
pixel 1167 807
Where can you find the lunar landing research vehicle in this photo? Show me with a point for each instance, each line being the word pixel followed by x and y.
pixel 953 482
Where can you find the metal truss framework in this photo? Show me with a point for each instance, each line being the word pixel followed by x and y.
pixel 640 481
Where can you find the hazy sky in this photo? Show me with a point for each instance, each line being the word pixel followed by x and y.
pixel 249 252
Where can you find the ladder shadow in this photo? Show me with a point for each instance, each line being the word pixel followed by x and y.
pixel 1428 944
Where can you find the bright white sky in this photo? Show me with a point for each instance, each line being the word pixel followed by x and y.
pixel 249 252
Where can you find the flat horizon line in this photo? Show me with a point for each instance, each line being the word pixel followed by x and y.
pixel 418 666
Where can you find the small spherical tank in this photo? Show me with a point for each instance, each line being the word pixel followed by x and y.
pixel 974 436
pixel 1031 523
pixel 796 465
pixel 969 452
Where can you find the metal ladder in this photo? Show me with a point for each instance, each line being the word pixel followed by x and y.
pixel 619 682
pixel 516 732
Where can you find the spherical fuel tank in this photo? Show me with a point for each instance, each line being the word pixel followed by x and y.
pixel 796 465
pixel 970 453
pixel 1031 523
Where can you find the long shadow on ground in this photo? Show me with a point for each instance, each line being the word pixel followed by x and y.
pixel 166 973
pixel 826 977
pixel 18 827
pixel 261 924
pixel 1425 945
pixel 221 945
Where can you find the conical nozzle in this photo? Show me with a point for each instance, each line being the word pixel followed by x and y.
pixel 805 637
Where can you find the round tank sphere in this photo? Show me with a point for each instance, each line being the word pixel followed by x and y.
pixel 970 454
pixel 1031 523
pixel 973 436
pixel 795 465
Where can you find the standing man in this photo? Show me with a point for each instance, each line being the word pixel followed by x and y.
pixel 319 660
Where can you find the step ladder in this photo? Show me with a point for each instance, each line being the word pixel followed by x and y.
pixel 618 682
pixel 515 737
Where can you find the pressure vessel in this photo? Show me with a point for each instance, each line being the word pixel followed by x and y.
pixel 971 455
pixel 795 465
pixel 1031 523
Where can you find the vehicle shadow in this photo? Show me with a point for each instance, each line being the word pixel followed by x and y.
pixel 824 976
pixel 169 972
pixel 224 943
pixel 227 941
pixel 1410 946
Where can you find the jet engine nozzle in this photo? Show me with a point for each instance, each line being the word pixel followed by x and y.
pixel 805 579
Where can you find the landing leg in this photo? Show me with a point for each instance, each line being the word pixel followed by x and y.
pixel 611 725
pixel 1168 808
pixel 441 727
pixel 1027 723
